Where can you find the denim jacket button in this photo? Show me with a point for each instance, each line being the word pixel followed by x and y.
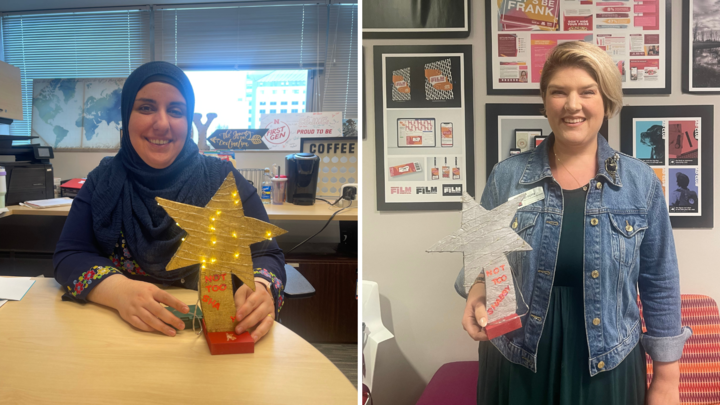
pixel 584 188
pixel 598 185
pixel 593 221
pixel 601 365
pixel 596 321
pixel 595 274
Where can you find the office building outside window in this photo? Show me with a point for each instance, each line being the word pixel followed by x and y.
pixel 235 96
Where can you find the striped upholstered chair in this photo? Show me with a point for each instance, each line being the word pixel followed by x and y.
pixel 700 362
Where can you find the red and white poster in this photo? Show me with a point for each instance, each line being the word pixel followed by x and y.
pixel 522 33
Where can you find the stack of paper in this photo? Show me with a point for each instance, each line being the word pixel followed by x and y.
pixel 14 288
pixel 51 203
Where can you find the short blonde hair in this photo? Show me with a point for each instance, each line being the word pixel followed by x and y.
pixel 590 58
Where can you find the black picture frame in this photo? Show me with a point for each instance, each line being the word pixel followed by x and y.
pixel 492 132
pixel 427 19
pixel 466 85
pixel 705 112
pixel 490 39
pixel 688 54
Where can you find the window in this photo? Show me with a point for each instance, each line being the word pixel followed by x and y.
pixel 283 111
pixel 283 103
pixel 294 111
pixel 303 110
pixel 284 91
pixel 216 91
pixel 72 46
pixel 296 91
pixel 303 103
pixel 274 91
pixel 294 103
pixel 340 92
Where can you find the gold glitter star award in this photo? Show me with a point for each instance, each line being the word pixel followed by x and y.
pixel 218 238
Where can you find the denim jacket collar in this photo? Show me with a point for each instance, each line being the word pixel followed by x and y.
pixel 538 165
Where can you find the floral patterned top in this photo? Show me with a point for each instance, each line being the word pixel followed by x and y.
pixel 124 263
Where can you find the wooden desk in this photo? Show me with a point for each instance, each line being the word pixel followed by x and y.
pixel 56 352
pixel 319 212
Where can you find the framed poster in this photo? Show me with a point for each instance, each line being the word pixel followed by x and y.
pixel 506 129
pixel 396 19
pixel 520 33
pixel 338 162
pixel 677 143
pixel 423 126
pixel 700 48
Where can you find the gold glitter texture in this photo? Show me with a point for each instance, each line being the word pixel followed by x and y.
pixel 219 238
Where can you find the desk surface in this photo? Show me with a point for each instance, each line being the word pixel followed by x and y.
pixel 319 211
pixel 57 352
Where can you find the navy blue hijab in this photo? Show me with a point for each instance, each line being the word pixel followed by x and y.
pixel 126 186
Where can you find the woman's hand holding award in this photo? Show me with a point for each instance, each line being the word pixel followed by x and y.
pixel 485 238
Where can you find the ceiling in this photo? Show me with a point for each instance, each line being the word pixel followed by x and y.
pixel 34 5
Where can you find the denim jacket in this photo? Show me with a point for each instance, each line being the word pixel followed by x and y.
pixel 628 243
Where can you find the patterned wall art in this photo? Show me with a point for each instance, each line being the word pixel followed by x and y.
pixel 424 126
pixel 677 143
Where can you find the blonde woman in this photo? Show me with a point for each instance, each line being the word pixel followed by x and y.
pixel 601 230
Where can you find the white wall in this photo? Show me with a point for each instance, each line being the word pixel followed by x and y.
pixel 419 304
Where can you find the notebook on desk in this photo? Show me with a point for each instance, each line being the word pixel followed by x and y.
pixel 51 203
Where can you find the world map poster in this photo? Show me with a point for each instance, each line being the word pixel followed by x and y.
pixel 77 113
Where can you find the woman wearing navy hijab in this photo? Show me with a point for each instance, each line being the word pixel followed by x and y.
pixel 117 241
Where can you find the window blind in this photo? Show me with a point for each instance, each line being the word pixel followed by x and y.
pixel 341 85
pixel 242 37
pixel 73 45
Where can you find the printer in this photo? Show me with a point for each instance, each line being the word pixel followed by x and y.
pixel 30 176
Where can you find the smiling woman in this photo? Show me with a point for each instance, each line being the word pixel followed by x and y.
pixel 600 234
pixel 158 124
pixel 117 241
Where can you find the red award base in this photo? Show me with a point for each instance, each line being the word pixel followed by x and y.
pixel 228 342
pixel 503 326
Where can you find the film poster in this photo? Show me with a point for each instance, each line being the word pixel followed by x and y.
pixel 671 146
pixel 524 31
pixel 424 120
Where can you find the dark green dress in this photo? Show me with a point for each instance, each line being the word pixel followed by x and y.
pixel 563 375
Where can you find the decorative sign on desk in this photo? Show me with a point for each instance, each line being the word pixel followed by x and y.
pixel 338 162
pixel 285 130
pixel 218 238
pixel 238 139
